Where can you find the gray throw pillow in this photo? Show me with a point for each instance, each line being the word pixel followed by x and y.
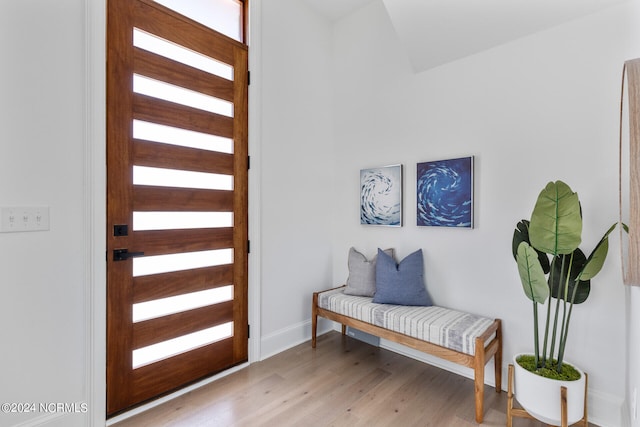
pixel 401 283
pixel 362 274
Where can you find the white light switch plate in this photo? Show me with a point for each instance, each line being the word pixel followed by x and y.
pixel 24 218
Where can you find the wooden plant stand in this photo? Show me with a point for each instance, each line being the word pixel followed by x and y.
pixel 521 413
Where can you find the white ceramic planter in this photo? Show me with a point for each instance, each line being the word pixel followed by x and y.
pixel 540 396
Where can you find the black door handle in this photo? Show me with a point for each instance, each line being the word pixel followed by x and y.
pixel 124 254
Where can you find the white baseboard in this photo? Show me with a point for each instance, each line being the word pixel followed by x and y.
pixel 285 338
pixel 48 420
pixel 606 410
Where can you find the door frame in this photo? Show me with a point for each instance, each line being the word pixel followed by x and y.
pixel 95 221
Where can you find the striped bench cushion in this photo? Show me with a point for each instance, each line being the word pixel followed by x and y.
pixel 448 328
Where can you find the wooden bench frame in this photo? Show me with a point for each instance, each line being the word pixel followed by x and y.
pixel 477 362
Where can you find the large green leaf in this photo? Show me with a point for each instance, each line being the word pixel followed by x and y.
pixel 558 277
pixel 596 259
pixel 521 234
pixel 532 277
pixel 556 221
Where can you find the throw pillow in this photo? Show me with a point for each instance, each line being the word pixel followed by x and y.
pixel 362 274
pixel 402 283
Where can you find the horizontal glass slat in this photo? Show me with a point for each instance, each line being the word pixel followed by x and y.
pixel 185 138
pixel 178 53
pixel 168 92
pixel 143 221
pixel 166 306
pixel 163 350
pixel 184 261
pixel 143 175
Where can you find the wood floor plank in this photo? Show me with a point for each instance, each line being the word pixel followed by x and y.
pixel 341 383
pixel 286 402
pixel 365 408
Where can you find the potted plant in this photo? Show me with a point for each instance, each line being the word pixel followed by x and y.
pixel 553 271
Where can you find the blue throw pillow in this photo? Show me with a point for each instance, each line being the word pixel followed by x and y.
pixel 401 284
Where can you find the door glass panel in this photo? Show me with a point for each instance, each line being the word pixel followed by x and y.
pixel 166 306
pixel 168 92
pixel 143 175
pixel 143 221
pixel 178 53
pixel 177 262
pixel 185 138
pixel 227 18
pixel 163 350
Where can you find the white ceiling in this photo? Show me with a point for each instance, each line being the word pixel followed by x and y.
pixel 435 32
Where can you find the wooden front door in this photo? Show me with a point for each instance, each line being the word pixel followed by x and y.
pixel 176 202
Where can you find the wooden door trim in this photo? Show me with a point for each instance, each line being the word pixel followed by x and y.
pixel 159 155
pixel 153 331
pixel 119 101
pixel 165 285
pixel 241 202
pixel 180 116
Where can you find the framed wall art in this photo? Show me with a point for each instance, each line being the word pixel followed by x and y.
pixel 444 193
pixel 381 196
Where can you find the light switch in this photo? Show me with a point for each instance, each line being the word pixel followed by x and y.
pixel 24 218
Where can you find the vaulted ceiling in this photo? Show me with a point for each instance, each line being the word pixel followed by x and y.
pixel 435 32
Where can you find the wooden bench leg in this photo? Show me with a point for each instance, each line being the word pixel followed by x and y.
pixel 314 320
pixel 497 359
pixel 479 380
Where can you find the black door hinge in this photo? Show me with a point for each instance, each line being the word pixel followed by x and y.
pixel 248 246
pixel 248 331
pixel 248 162
pixel 248 78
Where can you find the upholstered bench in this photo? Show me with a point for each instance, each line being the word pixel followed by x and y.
pixel 456 336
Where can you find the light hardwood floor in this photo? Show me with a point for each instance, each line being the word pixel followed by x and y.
pixel 343 382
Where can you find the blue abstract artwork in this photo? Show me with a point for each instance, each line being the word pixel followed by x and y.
pixel 381 196
pixel 445 193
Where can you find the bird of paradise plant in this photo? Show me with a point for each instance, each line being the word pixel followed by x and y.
pixel 555 229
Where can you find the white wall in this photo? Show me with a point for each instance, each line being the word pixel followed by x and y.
pixel 552 97
pixel 296 169
pixel 42 152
